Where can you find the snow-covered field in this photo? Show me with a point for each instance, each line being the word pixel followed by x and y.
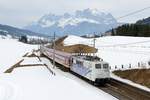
pixel 12 51
pixel 32 60
pixel 118 50
pixel 37 83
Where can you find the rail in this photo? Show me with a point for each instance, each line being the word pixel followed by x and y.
pixel 127 91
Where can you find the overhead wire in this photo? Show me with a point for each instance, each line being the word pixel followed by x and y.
pixel 132 13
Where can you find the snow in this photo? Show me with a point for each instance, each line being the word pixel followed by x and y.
pixel 72 39
pixel 37 83
pixel 30 61
pixel 118 50
pixel 111 41
pixel 76 85
pixel 47 23
pixel 5 37
pixel 12 51
pixel 3 31
pixel 88 15
pixel 96 12
pixel 74 21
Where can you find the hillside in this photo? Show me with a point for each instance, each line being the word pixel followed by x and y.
pixel 117 50
pixel 76 48
pixel 138 30
pixel 13 31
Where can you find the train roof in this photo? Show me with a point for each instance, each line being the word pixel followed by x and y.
pixel 65 54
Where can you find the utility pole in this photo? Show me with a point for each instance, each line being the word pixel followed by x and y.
pixel 94 43
pixel 38 42
pixel 54 51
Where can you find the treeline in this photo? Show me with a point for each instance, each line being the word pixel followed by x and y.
pixel 140 30
pixel 144 21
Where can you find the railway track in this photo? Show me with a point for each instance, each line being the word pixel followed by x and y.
pixel 123 91
pixel 118 89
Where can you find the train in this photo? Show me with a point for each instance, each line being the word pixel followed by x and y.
pixel 91 68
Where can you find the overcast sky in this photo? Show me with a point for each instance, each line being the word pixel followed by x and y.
pixel 22 12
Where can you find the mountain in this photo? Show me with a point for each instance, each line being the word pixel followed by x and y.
pixel 144 21
pixel 16 32
pixel 81 22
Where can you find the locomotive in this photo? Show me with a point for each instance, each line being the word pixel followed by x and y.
pixel 92 68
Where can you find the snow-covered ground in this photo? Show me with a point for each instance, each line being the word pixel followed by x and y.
pixel 12 51
pixel 32 60
pixel 37 83
pixel 118 50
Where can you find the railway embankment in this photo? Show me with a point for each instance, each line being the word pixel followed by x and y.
pixel 139 76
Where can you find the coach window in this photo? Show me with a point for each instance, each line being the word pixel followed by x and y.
pixel 98 66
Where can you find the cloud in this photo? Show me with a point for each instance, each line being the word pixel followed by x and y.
pixel 22 12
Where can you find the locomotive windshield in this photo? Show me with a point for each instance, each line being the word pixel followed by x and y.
pixel 97 66
pixel 105 66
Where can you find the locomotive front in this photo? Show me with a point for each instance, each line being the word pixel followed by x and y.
pixel 91 68
pixel 101 72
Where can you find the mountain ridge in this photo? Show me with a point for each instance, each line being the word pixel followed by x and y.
pixel 79 23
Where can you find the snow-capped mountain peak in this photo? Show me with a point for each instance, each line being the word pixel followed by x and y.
pixel 94 12
pixel 81 22
pixel 74 21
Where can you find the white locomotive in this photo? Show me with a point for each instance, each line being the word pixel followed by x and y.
pixel 89 67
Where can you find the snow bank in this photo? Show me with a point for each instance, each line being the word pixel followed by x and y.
pixel 72 39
